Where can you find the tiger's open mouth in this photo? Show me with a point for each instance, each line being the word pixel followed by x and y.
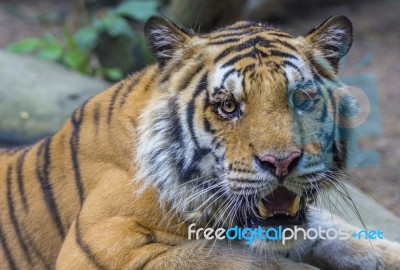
pixel 280 207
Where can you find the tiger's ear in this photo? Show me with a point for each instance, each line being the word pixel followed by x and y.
pixel 165 37
pixel 333 37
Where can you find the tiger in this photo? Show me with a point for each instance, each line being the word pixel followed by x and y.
pixel 236 127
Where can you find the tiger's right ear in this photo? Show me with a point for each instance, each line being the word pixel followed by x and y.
pixel 165 37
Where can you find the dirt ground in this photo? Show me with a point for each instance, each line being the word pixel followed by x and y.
pixel 376 32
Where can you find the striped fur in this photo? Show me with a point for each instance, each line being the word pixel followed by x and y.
pixel 118 184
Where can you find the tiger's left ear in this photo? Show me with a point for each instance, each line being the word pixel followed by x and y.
pixel 165 37
pixel 333 37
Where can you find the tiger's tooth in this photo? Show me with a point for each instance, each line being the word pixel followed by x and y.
pixel 294 206
pixel 264 212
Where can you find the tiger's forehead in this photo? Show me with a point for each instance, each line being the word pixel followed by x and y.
pixel 250 75
pixel 244 49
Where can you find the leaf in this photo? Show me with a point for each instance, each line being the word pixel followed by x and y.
pixel 76 60
pixel 117 26
pixel 49 38
pixel 98 24
pixel 51 51
pixel 86 38
pixel 25 46
pixel 113 74
pixel 139 10
pixel 69 39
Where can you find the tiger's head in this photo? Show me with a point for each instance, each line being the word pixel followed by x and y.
pixel 245 127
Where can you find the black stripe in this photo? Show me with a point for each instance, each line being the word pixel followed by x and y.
pixel 248 68
pixel 175 130
pixel 76 121
pixel 206 102
pixel 190 110
pixel 207 126
pixel 149 83
pixel 7 251
pixel 43 174
pixel 13 217
pixel 288 63
pixel 326 73
pixel 189 77
pixel 245 25
pixel 113 100
pixel 217 90
pixel 224 41
pixel 226 75
pixel 176 66
pixel 243 29
pixel 96 116
pixel 85 247
pixel 245 45
pixel 237 34
pixel 252 54
pixel 282 54
pixel 280 34
pixel 130 88
pixel 285 44
pixel 20 179
pixel 243 71
pixel 39 255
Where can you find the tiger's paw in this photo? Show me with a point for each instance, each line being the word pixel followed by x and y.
pixel 356 254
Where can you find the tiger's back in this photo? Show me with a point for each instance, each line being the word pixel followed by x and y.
pixel 44 185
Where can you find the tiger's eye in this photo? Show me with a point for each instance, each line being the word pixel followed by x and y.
pixel 302 97
pixel 229 106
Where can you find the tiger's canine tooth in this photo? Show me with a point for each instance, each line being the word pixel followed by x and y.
pixel 264 212
pixel 294 206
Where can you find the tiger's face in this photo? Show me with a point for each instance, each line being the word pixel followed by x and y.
pixel 244 129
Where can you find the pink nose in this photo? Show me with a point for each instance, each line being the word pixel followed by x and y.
pixel 281 165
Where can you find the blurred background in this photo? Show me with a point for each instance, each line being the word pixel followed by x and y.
pixel 54 54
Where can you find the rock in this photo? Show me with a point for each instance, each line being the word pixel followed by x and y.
pixel 374 215
pixel 36 97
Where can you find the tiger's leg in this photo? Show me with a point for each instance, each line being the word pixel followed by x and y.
pixel 115 230
pixel 349 253
pixel 134 250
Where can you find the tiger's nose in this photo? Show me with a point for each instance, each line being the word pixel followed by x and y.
pixel 280 166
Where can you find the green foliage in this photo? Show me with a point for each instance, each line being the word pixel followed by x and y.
pixel 77 50
pixel 86 38
pixel 25 46
pixel 113 73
